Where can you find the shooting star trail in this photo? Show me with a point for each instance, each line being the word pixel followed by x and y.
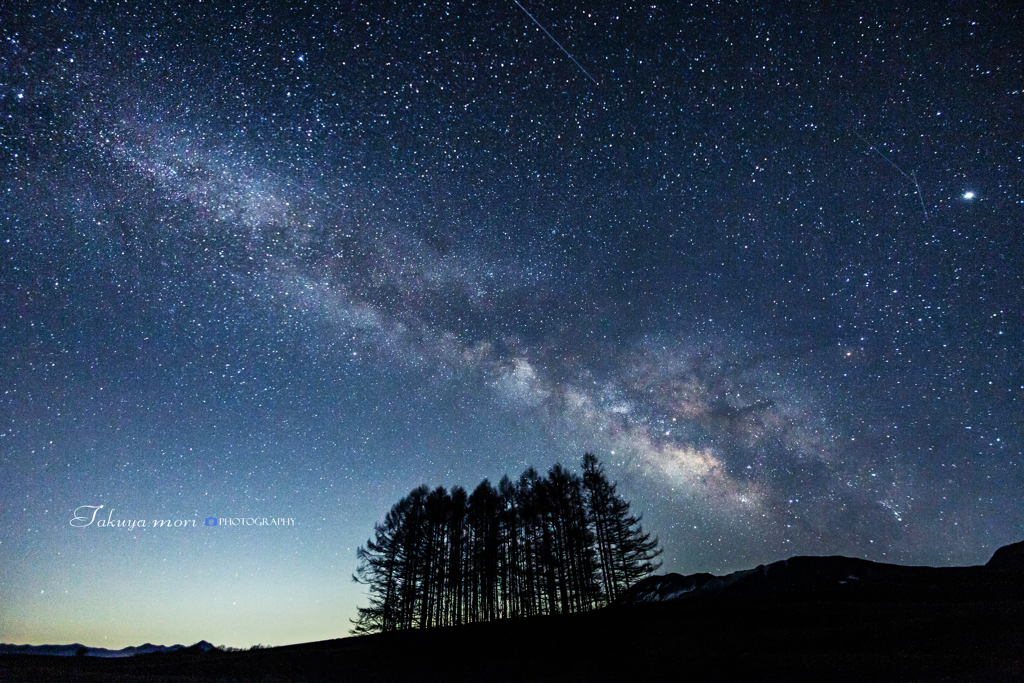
pixel 912 177
pixel 557 43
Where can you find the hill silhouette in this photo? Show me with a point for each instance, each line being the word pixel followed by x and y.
pixel 813 574
pixel 806 618
pixel 79 650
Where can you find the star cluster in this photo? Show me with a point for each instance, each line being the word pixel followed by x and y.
pixel 764 260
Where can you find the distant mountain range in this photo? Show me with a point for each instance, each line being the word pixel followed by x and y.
pixel 808 574
pixel 78 649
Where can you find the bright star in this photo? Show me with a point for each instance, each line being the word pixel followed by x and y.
pixel 968 195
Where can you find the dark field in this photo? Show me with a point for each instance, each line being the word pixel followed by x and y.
pixel 956 627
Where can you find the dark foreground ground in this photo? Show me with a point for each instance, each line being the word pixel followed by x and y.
pixel 953 628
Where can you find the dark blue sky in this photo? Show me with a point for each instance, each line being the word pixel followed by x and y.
pixel 292 263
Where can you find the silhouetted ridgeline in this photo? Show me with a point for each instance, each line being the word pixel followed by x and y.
pixel 539 546
pixel 816 574
pixel 803 619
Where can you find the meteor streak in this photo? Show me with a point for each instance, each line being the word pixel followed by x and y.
pixel 556 42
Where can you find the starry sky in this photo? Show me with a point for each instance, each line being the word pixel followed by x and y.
pixel 257 261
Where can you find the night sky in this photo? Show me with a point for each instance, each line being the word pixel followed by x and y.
pixel 765 261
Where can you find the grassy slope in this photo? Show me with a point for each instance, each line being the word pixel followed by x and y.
pixel 955 628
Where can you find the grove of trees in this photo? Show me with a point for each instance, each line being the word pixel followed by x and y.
pixel 541 545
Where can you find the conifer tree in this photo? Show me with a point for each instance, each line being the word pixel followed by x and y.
pixel 626 553
pixel 379 568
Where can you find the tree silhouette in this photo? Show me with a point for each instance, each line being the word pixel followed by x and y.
pixel 540 545
pixel 627 554
pixel 378 568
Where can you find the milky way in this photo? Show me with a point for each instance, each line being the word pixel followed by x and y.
pixel 765 262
